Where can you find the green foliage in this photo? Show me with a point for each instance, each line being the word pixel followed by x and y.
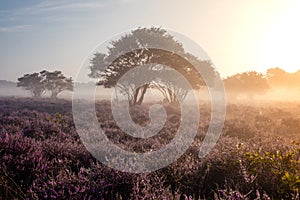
pixel 281 167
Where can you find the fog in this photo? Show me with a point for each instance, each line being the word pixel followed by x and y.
pixel 10 89
pixel 274 94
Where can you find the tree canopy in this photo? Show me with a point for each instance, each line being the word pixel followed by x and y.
pixel 39 83
pixel 161 53
pixel 56 82
pixel 278 78
pixel 32 83
pixel 246 84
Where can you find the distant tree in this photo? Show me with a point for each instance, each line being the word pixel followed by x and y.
pixel 246 84
pixel 39 83
pixel 278 78
pixel 56 82
pixel 110 67
pixel 296 79
pixel 33 83
pixel 233 86
pixel 255 83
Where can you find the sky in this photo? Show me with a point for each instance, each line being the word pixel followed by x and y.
pixel 237 35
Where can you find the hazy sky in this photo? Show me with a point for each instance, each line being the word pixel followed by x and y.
pixel 238 35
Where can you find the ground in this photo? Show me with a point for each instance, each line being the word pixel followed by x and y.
pixel 42 156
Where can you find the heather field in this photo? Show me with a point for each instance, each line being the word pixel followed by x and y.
pixel 42 156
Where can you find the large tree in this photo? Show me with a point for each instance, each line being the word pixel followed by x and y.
pixel 38 83
pixel 33 83
pixel 146 46
pixel 247 84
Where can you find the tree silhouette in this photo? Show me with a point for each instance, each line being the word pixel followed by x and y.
pixel 56 82
pixel 296 79
pixel 277 77
pixel 146 48
pixel 246 84
pixel 39 83
pixel 233 86
pixel 33 83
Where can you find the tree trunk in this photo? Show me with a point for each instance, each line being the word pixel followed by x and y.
pixel 54 94
pixel 139 95
pixel 36 94
pixel 144 90
pixel 116 92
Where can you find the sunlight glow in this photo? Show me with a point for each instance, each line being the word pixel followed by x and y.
pixel 280 45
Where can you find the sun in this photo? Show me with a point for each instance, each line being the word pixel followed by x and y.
pixel 280 45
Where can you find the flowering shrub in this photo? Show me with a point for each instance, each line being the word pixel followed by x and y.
pixel 281 167
pixel 42 157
